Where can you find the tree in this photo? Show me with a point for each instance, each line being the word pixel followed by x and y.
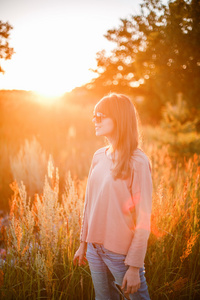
pixel 6 52
pixel 157 50
pixel 180 128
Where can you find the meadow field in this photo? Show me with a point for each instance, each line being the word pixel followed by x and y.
pixel 45 157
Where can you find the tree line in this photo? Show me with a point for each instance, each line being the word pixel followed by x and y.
pixel 156 55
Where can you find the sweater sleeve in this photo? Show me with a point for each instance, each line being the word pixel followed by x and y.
pixel 142 199
pixel 84 227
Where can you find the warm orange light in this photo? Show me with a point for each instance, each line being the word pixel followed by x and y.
pixel 47 98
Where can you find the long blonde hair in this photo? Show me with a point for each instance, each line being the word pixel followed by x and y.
pixel 121 110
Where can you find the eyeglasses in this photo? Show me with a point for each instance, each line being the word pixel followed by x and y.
pixel 98 117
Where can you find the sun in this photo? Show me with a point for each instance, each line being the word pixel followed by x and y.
pixel 47 97
pixel 48 67
pixel 50 91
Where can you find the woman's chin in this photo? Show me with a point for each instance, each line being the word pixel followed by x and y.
pixel 98 133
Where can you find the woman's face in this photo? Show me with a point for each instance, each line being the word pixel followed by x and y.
pixel 104 126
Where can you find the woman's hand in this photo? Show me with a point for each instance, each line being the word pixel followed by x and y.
pixel 131 280
pixel 80 254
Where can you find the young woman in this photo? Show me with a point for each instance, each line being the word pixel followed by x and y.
pixel 116 220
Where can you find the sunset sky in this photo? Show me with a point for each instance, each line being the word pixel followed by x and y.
pixel 56 41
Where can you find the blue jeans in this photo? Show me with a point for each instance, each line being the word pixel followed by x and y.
pixel 108 269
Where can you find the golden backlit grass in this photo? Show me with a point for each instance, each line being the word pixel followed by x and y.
pixel 40 242
pixel 43 235
pixel 173 257
pixel 45 212
pixel 29 133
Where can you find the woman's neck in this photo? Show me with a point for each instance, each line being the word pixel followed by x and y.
pixel 112 153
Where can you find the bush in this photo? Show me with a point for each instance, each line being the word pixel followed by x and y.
pixel 180 127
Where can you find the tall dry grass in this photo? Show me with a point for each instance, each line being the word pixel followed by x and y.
pixel 173 259
pixel 29 166
pixel 40 242
pixel 43 235
pixel 30 132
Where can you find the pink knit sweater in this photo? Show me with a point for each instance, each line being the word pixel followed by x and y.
pixel 117 212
